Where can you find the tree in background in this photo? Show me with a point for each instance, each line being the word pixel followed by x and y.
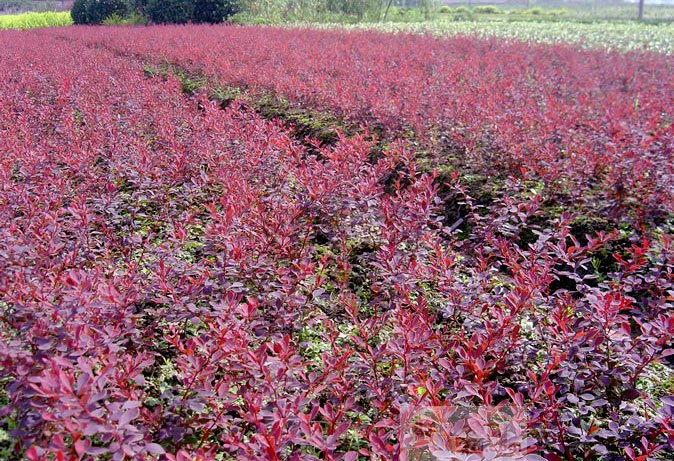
pixel 313 9
pixel 95 11
pixel 140 6
pixel 98 10
pixel 79 12
pixel 170 11
pixel 214 11
pixel 358 8
pixel 369 10
pixel 157 11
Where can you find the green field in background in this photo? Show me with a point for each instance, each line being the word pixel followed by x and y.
pixel 624 36
pixel 33 20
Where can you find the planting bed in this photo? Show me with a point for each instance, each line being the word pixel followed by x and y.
pixel 555 111
pixel 184 275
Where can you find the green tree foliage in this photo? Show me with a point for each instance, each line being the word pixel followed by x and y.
pixel 79 12
pixel 170 11
pixel 99 10
pixel 140 6
pixel 336 10
pixel 96 11
pixel 313 9
pixel 214 11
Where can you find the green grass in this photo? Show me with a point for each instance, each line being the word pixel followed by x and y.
pixel 33 20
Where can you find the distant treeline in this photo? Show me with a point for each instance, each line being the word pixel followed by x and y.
pixel 17 6
pixel 182 11
pixel 322 9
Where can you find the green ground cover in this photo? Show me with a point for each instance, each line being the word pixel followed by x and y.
pixel 34 20
pixel 613 35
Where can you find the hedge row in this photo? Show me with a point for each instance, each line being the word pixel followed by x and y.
pixel 156 11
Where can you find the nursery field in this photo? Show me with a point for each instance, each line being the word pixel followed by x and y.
pixel 601 34
pixel 268 243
